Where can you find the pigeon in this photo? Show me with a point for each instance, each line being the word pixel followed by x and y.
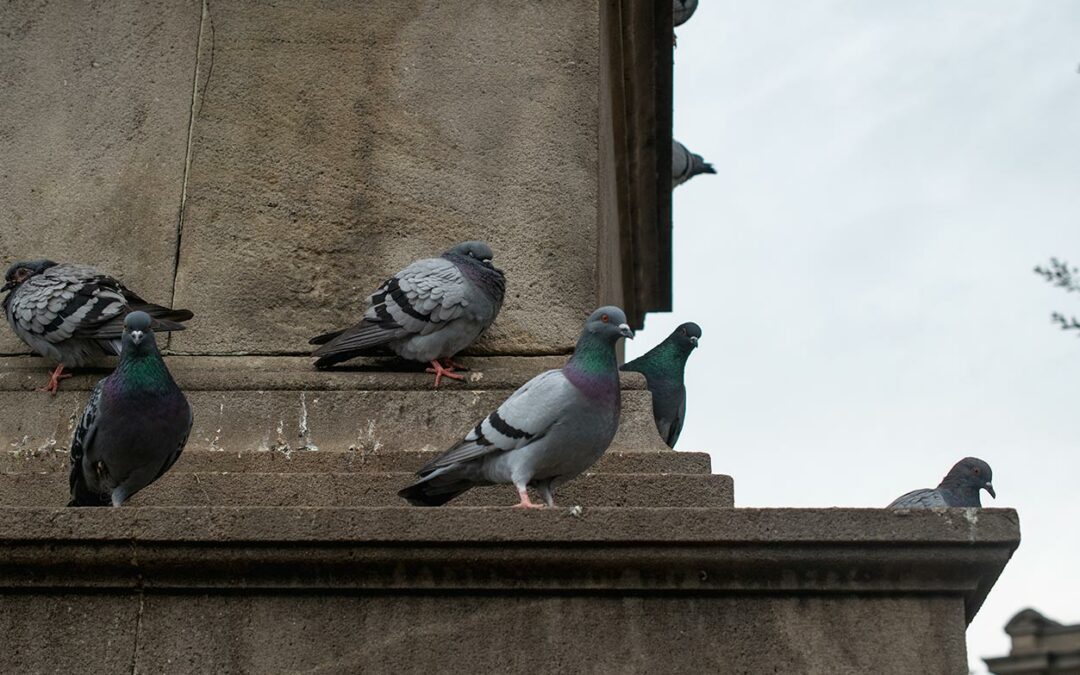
pixel 682 10
pixel 134 427
pixel 550 430
pixel 960 487
pixel 427 312
pixel 685 164
pixel 72 313
pixel 663 367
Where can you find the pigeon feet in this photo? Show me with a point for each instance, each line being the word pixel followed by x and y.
pixel 54 380
pixel 525 503
pixel 440 370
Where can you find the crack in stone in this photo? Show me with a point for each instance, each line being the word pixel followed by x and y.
pixel 196 106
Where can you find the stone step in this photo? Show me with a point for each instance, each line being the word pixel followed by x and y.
pixel 323 461
pixel 373 489
pixel 281 403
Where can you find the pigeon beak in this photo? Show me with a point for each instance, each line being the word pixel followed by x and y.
pixel 8 286
pixel 136 336
pixel 487 261
pixel 693 340
pixel 990 488
pixel 626 331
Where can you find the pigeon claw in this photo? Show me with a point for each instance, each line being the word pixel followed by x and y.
pixel 525 502
pixel 440 371
pixel 54 380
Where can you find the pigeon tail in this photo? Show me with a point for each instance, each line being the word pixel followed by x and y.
pixel 426 492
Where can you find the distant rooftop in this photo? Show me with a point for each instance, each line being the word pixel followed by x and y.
pixel 1040 646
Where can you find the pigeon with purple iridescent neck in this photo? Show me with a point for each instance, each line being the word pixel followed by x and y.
pixel 960 487
pixel 134 427
pixel 549 431
pixel 663 367
pixel 427 312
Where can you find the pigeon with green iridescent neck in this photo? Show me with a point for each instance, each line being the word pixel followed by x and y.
pixel 134 427
pixel 663 367
pixel 549 431
pixel 960 488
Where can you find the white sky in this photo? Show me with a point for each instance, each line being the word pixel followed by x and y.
pixel 889 173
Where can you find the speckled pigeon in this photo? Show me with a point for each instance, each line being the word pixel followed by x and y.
pixel 134 427
pixel 427 312
pixel 960 487
pixel 685 164
pixel 682 10
pixel 550 430
pixel 72 313
pixel 663 367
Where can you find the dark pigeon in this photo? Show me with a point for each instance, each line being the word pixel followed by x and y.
pixel 663 368
pixel 134 427
pixel 960 487
pixel 685 164
pixel 549 431
pixel 427 312
pixel 74 313
pixel 682 10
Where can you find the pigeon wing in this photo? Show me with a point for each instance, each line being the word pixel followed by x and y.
pixel 526 416
pixel 924 498
pixel 418 300
pixel 83 439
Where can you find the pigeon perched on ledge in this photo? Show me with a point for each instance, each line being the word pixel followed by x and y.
pixel 72 313
pixel 427 312
pixel 548 432
pixel 685 164
pixel 134 427
pixel 960 487
pixel 682 10
pixel 663 367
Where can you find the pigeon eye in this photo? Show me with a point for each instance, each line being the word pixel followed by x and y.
pixel 604 318
pixel 976 470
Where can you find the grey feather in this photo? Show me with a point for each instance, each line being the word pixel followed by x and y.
pixel 959 488
pixel 430 310
pixel 685 164
pixel 74 313
pixel 549 431
pixel 134 426
pixel 682 10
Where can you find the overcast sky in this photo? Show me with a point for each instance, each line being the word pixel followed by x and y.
pixel 888 175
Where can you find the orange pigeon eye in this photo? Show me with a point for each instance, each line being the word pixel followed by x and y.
pixel 604 318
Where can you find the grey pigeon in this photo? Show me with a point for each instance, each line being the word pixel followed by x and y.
pixel 72 313
pixel 663 368
pixel 685 164
pixel 960 487
pixel 134 427
pixel 682 10
pixel 550 430
pixel 427 312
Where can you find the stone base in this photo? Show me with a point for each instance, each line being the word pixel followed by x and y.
pixel 196 590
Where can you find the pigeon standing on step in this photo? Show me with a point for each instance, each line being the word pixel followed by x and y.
pixel 685 164
pixel 960 487
pixel 427 312
pixel 74 313
pixel 663 368
pixel 134 427
pixel 549 431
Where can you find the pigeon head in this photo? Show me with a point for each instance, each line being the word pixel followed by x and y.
pixel 687 335
pixel 21 271
pixel 476 250
pixel 971 473
pixel 137 333
pixel 609 323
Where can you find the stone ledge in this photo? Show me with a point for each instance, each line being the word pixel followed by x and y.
pixel 607 550
pixel 346 461
pixel 373 489
pixel 296 373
